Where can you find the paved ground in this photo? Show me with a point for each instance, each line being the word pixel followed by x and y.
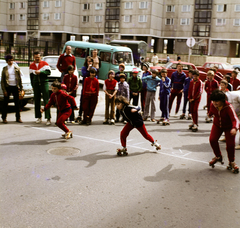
pixel 95 188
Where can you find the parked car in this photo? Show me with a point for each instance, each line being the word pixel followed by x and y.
pixel 236 67
pixel 55 73
pixel 172 67
pixel 222 67
pixel 26 83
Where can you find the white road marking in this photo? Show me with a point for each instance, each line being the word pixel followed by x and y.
pixel 137 143
pixel 141 148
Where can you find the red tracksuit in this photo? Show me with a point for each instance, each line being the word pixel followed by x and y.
pixel 194 92
pixel 90 97
pixel 235 83
pixel 210 86
pixel 224 121
pixel 63 102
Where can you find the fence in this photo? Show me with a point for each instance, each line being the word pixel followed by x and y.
pixel 23 51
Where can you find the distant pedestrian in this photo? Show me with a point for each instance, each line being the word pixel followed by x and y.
pixel 110 88
pixel 96 61
pixel 63 102
pixel 65 60
pixel 39 71
pixel 71 81
pixel 178 58
pixel 155 59
pixel 168 59
pixel 11 83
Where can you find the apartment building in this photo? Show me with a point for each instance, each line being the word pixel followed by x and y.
pixel 165 24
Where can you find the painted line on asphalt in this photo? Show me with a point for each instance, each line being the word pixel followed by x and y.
pixel 141 148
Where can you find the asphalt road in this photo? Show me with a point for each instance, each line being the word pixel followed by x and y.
pixel 86 185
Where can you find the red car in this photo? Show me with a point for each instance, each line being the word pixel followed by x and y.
pixel 222 67
pixel 172 67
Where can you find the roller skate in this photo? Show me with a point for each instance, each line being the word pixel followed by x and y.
pixel 232 166
pixel 122 152
pixel 194 128
pixel 182 116
pixel 68 135
pixel 112 122
pixel 158 147
pixel 160 120
pixel 208 120
pixel 189 116
pixel 190 126
pixel 165 122
pixel 106 121
pixel 215 160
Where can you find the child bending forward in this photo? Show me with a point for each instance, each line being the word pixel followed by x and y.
pixel 134 120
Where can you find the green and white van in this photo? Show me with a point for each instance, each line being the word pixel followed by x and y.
pixel 111 57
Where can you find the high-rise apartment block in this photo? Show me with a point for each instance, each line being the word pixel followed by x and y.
pixel 215 24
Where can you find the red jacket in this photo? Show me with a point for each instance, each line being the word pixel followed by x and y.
pixel 90 86
pixel 195 89
pixel 64 61
pixel 226 118
pixel 71 83
pixel 210 86
pixel 62 100
pixel 235 83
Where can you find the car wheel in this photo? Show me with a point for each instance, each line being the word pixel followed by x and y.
pixel 23 103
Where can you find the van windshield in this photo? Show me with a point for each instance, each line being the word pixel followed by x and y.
pixel 122 57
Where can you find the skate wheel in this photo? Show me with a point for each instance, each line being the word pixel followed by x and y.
pixel 229 168
pixel 125 153
pixel 235 171
pixel 119 153
pixel 211 165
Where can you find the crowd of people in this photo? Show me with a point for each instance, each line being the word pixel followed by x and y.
pixel 120 91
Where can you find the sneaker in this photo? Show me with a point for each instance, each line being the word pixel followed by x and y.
pixel 5 121
pixel 78 119
pixel 39 120
pixel 19 120
pixel 112 122
pixel 194 127
pixel 105 121
pixel 48 122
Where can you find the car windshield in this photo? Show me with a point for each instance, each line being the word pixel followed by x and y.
pixel 122 57
pixel 52 62
pixel 167 65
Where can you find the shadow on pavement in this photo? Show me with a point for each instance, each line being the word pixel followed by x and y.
pixel 37 142
pixel 195 148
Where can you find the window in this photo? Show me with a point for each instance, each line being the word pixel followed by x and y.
pixel 113 14
pixel 98 18
pixel 32 24
pixel 33 12
pixel 113 3
pixel 128 18
pixel 142 18
pixel 98 6
pixel 220 21
pixel 170 8
pixel 45 4
pixel 236 22
pixel 203 4
pixel 237 8
pixel 202 16
pixel 112 26
pixel 57 16
pixel 105 56
pixel 184 21
pixel 222 8
pixel 143 5
pixel 86 6
pixel 85 19
pixel 58 3
pixel 11 5
pixel 22 5
pixel 45 16
pixel 128 5
pixel 11 17
pixel 186 8
pixel 22 17
pixel 80 52
pixel 33 3
pixel 169 21
pixel 201 30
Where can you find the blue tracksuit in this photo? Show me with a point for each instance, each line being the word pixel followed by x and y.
pixel 165 89
pixel 185 91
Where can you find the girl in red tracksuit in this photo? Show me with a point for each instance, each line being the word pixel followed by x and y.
pixel 63 102
pixel 134 120
pixel 225 120
pixel 71 81
pixel 90 96
pixel 194 96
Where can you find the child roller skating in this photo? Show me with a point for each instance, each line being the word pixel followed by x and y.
pixel 134 120
pixel 225 120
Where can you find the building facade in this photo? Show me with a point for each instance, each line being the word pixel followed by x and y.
pixel 165 24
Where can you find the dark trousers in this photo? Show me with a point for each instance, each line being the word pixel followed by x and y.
pixel 143 98
pixel 89 103
pixel 134 98
pixel 185 103
pixel 164 105
pixel 178 94
pixel 14 91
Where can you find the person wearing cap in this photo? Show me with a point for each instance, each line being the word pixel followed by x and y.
pixel 234 80
pixel 146 72
pixel 152 83
pixel 121 67
pixel 135 87
pixel 90 96
pixel 110 88
pixel 123 90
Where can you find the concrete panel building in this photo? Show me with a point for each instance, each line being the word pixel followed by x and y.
pixel 165 24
